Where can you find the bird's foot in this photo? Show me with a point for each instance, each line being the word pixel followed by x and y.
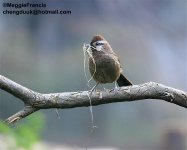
pixel 115 88
pixel 105 90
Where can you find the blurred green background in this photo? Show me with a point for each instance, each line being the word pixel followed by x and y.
pixel 44 53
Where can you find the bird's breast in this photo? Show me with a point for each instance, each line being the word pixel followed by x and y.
pixel 105 68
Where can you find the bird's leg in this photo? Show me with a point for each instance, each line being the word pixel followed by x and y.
pixel 94 88
pixel 103 87
pixel 106 90
pixel 115 88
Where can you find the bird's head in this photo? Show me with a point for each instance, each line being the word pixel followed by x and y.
pixel 98 42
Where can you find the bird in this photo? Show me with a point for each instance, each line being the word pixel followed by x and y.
pixel 104 65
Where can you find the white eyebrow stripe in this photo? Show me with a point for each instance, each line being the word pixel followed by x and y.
pixel 100 42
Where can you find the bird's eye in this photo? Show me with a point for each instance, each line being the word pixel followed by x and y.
pixel 98 43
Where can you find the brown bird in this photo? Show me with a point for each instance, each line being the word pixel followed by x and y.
pixel 104 66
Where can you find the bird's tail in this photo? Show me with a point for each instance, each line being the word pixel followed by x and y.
pixel 122 81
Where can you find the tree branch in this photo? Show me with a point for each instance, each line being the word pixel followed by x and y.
pixel 34 101
pixel 21 114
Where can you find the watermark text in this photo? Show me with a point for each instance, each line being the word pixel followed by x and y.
pixel 30 9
